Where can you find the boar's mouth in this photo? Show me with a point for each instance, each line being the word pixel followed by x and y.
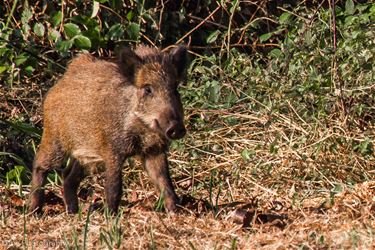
pixel 174 130
pixel 156 127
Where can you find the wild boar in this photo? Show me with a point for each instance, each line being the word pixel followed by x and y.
pixel 102 112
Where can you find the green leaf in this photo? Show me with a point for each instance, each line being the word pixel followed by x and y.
pixel 349 7
pixel 213 36
pixel 372 12
pixel 246 154
pixel 213 89
pixel 276 53
pixel 234 6
pixel 5 51
pixel 3 68
pixel 116 32
pixel 71 30
pixel 284 17
pixel 21 59
pixel 54 35
pixel 26 16
pixel 95 8
pixel 14 157
pixel 133 31
pixel 56 18
pixel 64 46
pixel 309 37
pixel 39 29
pixel 366 147
pixel 25 29
pixel 274 148
pixel 29 70
pixel 94 36
pixel 82 42
pixel 130 15
pixel 17 175
pixel 85 20
pixel 148 18
pixel 265 37
pixel 24 127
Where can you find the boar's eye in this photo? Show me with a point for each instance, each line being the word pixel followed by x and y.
pixel 147 90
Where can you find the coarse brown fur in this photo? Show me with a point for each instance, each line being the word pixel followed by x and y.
pixel 100 113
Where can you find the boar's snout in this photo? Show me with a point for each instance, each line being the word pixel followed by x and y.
pixel 175 130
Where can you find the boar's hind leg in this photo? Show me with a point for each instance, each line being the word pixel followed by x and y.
pixel 48 157
pixel 113 184
pixel 72 179
pixel 157 168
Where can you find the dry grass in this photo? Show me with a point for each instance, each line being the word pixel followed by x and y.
pixel 295 197
pixel 348 223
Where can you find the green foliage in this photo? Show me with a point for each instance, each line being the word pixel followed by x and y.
pixel 159 204
pixel 18 175
pixel 299 71
pixel 111 237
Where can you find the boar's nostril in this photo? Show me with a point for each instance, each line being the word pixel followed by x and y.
pixel 175 131
pixel 181 132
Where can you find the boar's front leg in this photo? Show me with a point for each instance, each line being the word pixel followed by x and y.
pixel 113 185
pixel 157 168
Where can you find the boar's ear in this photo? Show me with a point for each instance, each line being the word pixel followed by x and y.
pixel 179 59
pixel 129 61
